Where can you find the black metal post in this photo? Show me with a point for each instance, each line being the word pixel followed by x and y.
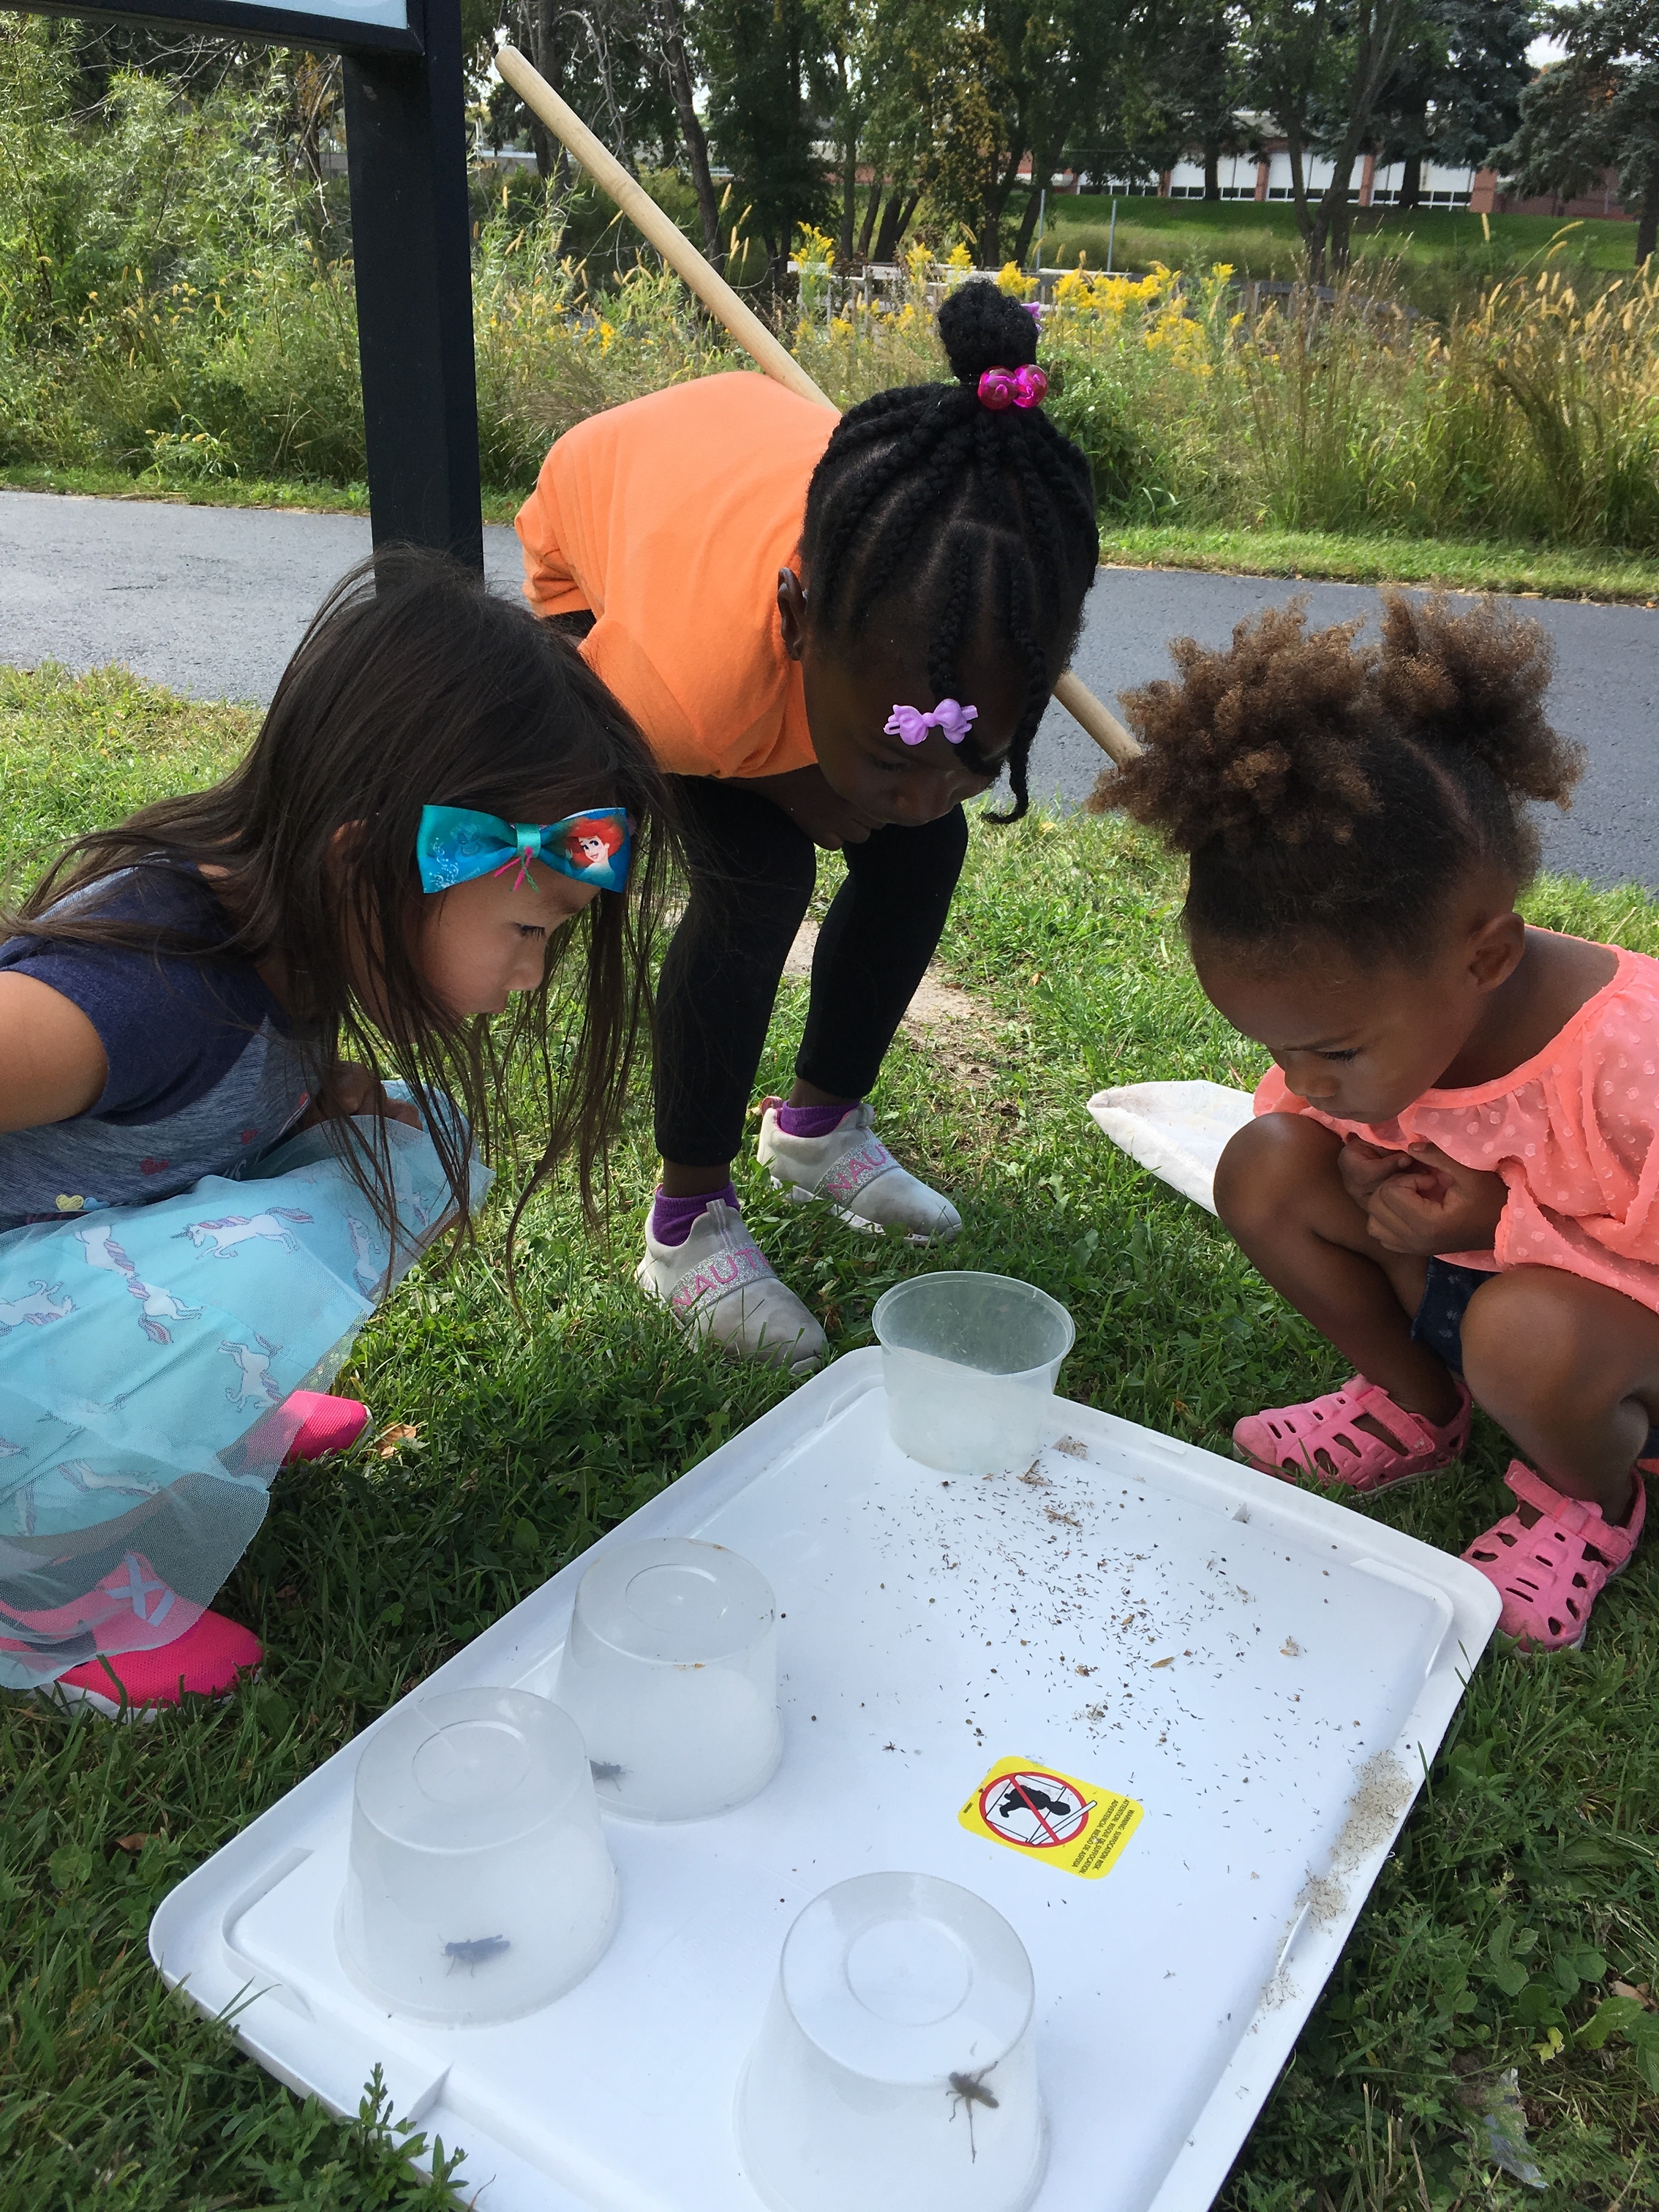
pixel 412 245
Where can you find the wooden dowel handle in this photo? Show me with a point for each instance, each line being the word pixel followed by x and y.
pixel 745 325
pixel 1096 718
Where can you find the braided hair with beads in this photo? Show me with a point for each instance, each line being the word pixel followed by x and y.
pixel 974 518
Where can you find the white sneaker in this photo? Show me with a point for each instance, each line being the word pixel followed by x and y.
pixel 856 1176
pixel 720 1286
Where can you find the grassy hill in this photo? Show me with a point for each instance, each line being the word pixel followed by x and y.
pixel 1260 239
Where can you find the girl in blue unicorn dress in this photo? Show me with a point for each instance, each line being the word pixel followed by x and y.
pixel 252 1042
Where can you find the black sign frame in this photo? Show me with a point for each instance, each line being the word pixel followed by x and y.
pixel 411 247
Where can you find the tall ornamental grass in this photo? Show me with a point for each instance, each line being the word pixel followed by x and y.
pixel 1534 416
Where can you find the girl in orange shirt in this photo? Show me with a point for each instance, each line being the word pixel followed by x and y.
pixel 832 633
pixel 1454 1175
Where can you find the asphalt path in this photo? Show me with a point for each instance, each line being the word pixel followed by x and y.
pixel 212 600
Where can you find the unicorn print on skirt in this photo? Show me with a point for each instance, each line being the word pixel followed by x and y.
pixel 128 1452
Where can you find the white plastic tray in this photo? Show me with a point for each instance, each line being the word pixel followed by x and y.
pixel 931 1627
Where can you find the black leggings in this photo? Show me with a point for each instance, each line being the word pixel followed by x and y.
pixel 752 872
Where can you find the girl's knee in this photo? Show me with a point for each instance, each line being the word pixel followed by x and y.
pixel 1266 1165
pixel 1528 1345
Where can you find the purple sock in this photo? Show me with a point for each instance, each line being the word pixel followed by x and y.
pixel 813 1121
pixel 671 1218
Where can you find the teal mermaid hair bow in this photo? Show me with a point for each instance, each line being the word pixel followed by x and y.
pixel 454 844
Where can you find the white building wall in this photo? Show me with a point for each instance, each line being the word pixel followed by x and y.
pixel 1442 188
pixel 1235 172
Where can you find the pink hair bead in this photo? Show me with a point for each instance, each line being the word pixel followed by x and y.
pixel 1027 386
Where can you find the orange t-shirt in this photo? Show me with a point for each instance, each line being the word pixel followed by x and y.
pixel 669 518
pixel 1572 1131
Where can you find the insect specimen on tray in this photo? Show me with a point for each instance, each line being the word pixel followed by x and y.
pixel 968 2090
pixel 606 1770
pixel 475 1950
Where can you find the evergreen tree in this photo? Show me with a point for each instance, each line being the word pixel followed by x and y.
pixel 1597 109
pixel 1454 96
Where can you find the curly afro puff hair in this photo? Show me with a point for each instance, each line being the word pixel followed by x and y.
pixel 1333 791
pixel 973 523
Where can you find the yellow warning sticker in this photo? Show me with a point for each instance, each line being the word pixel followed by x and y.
pixel 1044 1814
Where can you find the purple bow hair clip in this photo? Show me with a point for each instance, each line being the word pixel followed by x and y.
pixel 952 720
pixel 1026 387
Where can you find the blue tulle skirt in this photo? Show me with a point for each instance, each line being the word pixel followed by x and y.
pixel 147 1357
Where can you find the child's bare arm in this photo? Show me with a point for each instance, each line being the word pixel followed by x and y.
pixel 51 1059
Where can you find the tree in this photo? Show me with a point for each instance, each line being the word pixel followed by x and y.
pixel 1454 96
pixel 912 62
pixel 603 56
pixel 980 139
pixel 1024 79
pixel 765 62
pixel 1320 68
pixel 1079 62
pixel 1193 90
pixel 1596 110
pixel 682 84
pixel 851 33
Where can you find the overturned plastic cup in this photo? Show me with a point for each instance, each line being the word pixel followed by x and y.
pixel 479 1885
pixel 895 2065
pixel 670 1670
pixel 969 1362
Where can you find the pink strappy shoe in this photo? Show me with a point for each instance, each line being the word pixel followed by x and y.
pixel 1327 1438
pixel 1549 1576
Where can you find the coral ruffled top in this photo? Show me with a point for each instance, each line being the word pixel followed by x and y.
pixel 668 519
pixel 1571 1131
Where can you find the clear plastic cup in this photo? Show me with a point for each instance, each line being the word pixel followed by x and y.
pixel 970 1362
pixel 895 2065
pixel 670 1670
pixel 480 1887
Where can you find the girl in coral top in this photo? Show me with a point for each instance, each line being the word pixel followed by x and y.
pixel 1453 1171
pixel 832 633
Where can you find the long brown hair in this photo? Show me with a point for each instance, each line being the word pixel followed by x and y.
pixel 413 686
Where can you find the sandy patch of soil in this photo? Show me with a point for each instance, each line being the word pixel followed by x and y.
pixel 941 1015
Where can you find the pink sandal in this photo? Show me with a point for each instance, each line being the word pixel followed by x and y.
pixel 1549 1576
pixel 1325 1438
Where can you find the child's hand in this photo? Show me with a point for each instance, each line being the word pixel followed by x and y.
pixel 1363 1168
pixel 352 1089
pixel 1437 1206
pixel 804 795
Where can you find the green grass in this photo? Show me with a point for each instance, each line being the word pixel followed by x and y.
pixel 1525 1880
pixel 1458 564
pixel 306 494
pixel 1260 238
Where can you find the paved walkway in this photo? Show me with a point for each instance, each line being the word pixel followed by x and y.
pixel 212 600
